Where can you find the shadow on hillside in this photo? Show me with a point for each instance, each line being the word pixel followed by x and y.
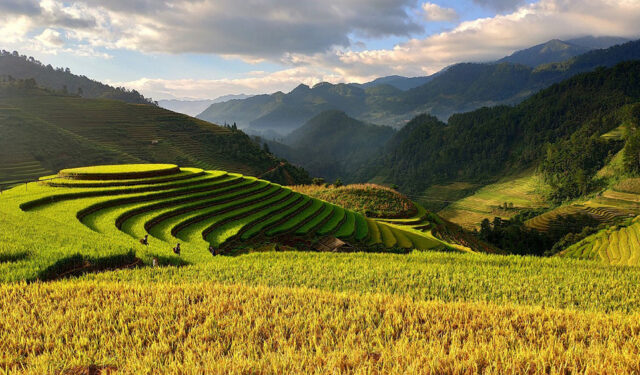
pixel 14 257
pixel 77 265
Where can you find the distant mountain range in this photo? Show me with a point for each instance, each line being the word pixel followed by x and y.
pixel 192 107
pixel 394 100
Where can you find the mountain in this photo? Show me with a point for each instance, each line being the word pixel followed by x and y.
pixel 481 145
pixel 399 82
pixel 552 51
pixel 333 145
pixel 195 107
pixel 19 66
pixel 459 88
pixel 52 131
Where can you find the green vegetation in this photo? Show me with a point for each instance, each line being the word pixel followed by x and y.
pixel 504 199
pixel 334 145
pixel 616 245
pixel 17 66
pixel 482 145
pixel 368 199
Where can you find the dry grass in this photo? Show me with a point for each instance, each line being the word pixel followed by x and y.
pixel 65 326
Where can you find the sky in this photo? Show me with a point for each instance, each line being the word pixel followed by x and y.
pixel 202 49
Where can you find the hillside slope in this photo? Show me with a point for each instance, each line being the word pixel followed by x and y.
pixel 59 79
pixel 333 145
pixel 54 131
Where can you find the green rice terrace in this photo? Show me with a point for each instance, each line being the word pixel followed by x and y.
pixel 206 212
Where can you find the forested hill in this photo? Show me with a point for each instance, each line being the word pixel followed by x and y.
pixel 483 144
pixel 460 88
pixel 334 145
pixel 45 131
pixel 17 66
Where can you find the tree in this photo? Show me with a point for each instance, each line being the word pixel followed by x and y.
pixel 318 181
pixel 338 183
pixel 265 147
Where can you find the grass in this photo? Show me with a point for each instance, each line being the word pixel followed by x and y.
pixel 37 125
pixel 119 172
pixel 206 327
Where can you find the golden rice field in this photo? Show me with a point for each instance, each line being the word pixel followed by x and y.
pixel 75 326
pixel 268 311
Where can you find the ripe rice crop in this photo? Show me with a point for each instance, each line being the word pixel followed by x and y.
pixel 76 326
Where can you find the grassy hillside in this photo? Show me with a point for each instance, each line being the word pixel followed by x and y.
pixel 234 214
pixel 44 131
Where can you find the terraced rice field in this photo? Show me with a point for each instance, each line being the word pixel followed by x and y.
pixel 524 192
pixel 603 214
pixel 13 173
pixel 207 208
pixel 616 246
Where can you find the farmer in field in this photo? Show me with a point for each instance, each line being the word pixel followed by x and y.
pixel 145 240
pixel 213 250
pixel 177 249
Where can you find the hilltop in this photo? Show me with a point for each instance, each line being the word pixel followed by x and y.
pixel 45 131
pixel 333 145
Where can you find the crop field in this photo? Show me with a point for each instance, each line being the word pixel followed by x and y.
pixel 195 208
pixel 618 245
pixel 114 327
pixel 80 294
pixel 523 192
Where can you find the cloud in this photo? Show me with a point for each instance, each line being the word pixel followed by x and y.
pixel 256 82
pixel 487 39
pixel 50 38
pixel 500 5
pixel 434 12
pixel 251 29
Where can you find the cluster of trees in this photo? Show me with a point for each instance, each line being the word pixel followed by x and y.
pixel 62 80
pixel 570 166
pixel 513 236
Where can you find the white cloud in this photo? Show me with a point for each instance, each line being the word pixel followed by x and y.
pixel 487 39
pixel 256 82
pixel 434 12
pixel 50 38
